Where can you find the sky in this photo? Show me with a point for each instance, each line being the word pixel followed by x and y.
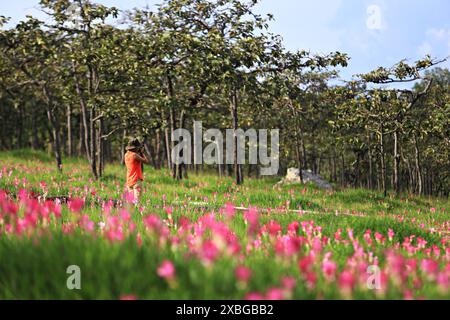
pixel 373 32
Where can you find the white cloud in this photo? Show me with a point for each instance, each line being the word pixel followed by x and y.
pixel 424 49
pixel 438 34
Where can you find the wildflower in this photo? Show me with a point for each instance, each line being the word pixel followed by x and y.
pixel 329 269
pixel 274 294
pixel 76 205
pixel 391 234
pixel 254 296
pixel 242 274
pixel 166 270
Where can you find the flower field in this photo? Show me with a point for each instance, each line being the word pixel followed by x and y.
pixel 206 238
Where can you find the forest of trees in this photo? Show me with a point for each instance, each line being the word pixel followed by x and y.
pixel 88 78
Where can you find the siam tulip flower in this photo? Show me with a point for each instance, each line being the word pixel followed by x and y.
pixel 254 296
pixel 443 281
pixel 316 245
pixel 288 283
pixel 379 237
pixel 391 234
pixel 293 227
pixel 75 205
pixel 329 269
pixel 128 297
pixel 251 218
pixel 421 242
pixel 131 227
pixel 67 228
pixel 87 224
pixel 436 251
pixel 346 282
pixel 9 228
pixel 22 195
pixel 273 228
pixel 166 270
pixel 293 245
pixel 125 215
pixel 305 264
pixel 242 274
pixel 432 210
pixel 169 211
pixel 430 267
pixel 350 234
pixel 208 251
pixel 337 235
pixel 311 280
pixel 152 222
pixel 230 211
pixel 408 295
pixel 129 197
pixel 274 294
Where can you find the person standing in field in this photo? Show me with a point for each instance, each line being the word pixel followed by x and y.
pixel 134 160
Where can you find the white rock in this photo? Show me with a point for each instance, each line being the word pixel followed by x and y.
pixel 293 176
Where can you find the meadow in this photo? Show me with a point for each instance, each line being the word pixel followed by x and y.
pixel 207 238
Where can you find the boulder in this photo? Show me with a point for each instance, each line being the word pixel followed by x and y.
pixel 293 176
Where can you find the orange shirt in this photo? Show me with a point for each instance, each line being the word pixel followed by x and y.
pixel 134 169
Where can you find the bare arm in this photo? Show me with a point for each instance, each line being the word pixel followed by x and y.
pixel 142 158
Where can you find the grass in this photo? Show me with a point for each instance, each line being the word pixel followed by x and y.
pixel 34 267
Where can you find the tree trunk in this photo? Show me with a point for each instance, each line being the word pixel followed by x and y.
pixel 396 163
pixel 92 147
pixel 234 114
pixel 35 138
pixel 69 131
pixel 84 113
pixel 172 142
pixel 418 167
pixel 100 147
pixel 158 149
pixel 122 147
pixel 55 138
pixel 180 168
pixel 383 163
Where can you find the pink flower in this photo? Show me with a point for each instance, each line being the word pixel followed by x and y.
pixel 346 280
pixel 129 197
pixel 311 280
pixel 152 222
pixel 329 269
pixel 242 273
pixel 251 217
pixel 254 296
pixel 273 227
pixel 288 283
pixel 229 210
pixel 429 266
pixel 125 215
pixel 391 234
pixel 443 280
pixel 139 239
pixel 274 294
pixel 166 270
pixel 293 227
pixel 209 251
pixel 305 264
pixel 128 297
pixel 433 210
pixel 76 205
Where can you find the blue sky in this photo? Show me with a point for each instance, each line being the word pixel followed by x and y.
pixel 373 32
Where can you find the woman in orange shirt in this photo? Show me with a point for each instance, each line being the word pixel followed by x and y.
pixel 134 158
